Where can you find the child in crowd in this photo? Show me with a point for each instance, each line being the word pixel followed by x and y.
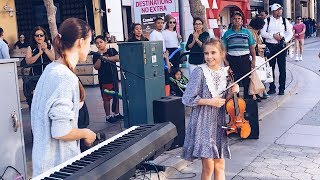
pixel 107 75
pixel 178 82
pixel 205 138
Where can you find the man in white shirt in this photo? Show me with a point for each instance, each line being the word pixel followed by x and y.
pixel 277 31
pixel 156 35
pixel 4 49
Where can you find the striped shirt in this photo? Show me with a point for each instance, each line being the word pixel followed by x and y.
pixel 238 43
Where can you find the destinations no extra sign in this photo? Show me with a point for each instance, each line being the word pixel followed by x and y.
pixel 152 7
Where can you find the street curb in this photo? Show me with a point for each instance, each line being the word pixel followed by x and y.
pixel 279 100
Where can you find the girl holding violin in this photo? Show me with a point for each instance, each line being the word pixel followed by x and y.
pixel 205 138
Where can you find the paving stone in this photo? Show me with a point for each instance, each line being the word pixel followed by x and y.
pixel 316 160
pixel 277 166
pixel 237 178
pixel 296 169
pixel 286 158
pixel 268 156
pixel 248 174
pixel 303 159
pixel 259 164
pixel 302 176
pixel 268 177
pixel 250 168
pixel 316 177
pixel 263 171
pixel 313 156
pixel 298 154
pixel 313 171
pixel 282 173
pixel 291 163
pixel 293 149
pixel 310 150
pixel 309 165
pixel 273 161
pixel 280 153
pixel 277 147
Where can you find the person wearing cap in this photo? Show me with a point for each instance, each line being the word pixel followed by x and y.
pixel 277 31
pixel 21 43
pixel 4 49
pixel 240 45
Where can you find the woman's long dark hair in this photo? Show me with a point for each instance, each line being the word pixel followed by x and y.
pixel 33 42
pixel 70 31
pixel 132 35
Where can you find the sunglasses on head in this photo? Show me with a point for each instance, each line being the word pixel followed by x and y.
pixel 39 35
pixel 172 22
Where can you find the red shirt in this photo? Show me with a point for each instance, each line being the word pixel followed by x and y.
pixel 298 28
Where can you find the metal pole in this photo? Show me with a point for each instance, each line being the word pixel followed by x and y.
pixel 181 19
pixel 285 4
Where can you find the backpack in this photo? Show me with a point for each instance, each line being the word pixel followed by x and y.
pixel 283 20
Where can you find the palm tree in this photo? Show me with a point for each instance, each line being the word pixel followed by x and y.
pixel 198 10
pixel 51 13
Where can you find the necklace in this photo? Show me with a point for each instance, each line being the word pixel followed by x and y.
pixel 216 75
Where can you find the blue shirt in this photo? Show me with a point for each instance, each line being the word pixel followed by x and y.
pixel 4 50
pixel 238 43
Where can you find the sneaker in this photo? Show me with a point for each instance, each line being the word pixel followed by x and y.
pixel 119 116
pixel 111 119
pixel 300 58
pixel 271 91
pixel 297 57
pixel 265 96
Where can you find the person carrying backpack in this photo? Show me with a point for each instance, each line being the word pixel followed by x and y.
pixel 277 31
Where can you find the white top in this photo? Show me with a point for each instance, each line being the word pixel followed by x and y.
pixel 215 80
pixel 157 36
pixel 170 39
pixel 4 50
pixel 54 112
pixel 275 26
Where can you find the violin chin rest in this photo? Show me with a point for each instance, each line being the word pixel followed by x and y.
pixel 245 130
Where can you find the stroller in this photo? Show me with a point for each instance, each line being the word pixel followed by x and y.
pixel 177 86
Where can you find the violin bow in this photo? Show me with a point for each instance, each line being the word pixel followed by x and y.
pixel 232 84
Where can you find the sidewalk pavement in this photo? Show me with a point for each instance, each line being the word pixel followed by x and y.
pixel 170 158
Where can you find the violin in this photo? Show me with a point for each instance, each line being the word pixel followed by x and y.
pixel 236 107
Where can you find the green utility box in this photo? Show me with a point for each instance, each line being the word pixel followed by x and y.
pixel 143 82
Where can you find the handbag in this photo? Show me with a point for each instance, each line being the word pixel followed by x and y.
pixel 269 74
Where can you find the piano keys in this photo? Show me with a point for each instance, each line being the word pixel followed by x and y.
pixel 117 156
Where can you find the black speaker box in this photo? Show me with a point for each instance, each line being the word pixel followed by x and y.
pixel 171 109
pixel 252 116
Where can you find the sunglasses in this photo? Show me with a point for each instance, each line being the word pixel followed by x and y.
pixel 172 22
pixel 299 19
pixel 39 35
pixel 198 24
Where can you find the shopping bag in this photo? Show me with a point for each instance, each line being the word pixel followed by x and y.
pixel 269 74
pixel 261 72
pixel 256 86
